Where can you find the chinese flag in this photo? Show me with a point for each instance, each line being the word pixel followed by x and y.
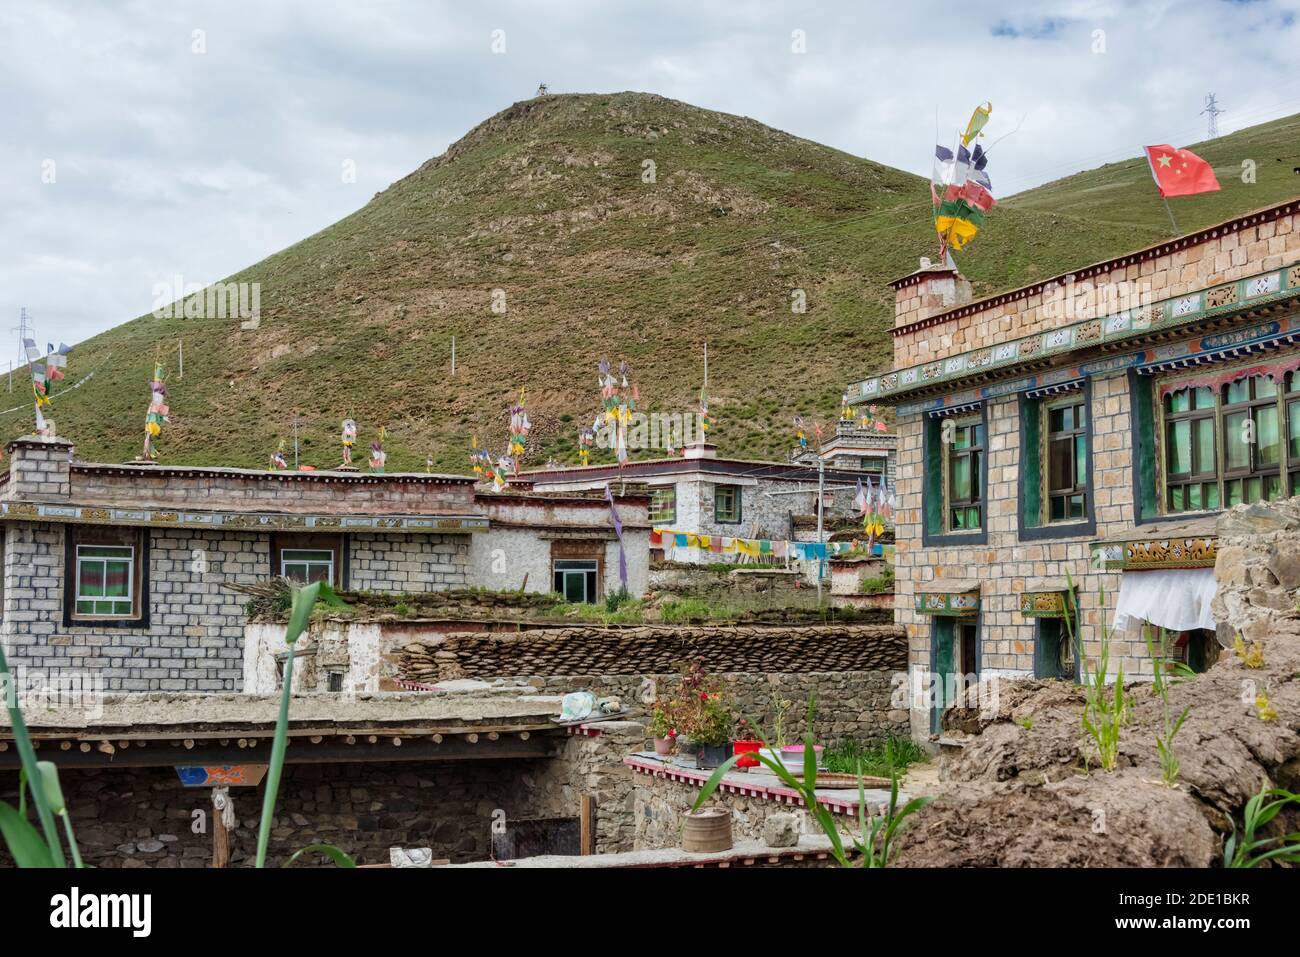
pixel 1180 172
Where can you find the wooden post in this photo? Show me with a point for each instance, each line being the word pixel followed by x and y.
pixel 222 808
pixel 587 823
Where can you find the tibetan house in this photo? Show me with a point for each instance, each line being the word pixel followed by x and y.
pixel 120 574
pixel 1087 429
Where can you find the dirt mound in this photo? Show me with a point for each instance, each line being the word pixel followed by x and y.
pixel 1020 794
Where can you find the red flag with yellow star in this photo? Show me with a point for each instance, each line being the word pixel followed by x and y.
pixel 1180 172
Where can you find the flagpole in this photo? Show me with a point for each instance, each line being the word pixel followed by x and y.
pixel 1172 221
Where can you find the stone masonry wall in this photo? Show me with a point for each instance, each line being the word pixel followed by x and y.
pixel 143 817
pixel 408 563
pixel 195 634
pixel 1005 564
pixel 1222 258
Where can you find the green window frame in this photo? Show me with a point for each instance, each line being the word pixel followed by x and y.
pixel 576 580
pixel 105 581
pixel 663 504
pixel 1065 465
pixel 1228 444
pixel 726 504
pixel 963 462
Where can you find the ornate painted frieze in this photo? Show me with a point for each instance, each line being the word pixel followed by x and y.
pixel 1156 553
pixel 941 603
pixel 1168 313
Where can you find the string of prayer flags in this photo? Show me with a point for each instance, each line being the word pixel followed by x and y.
pixel 585 438
pixel 618 398
pixel 44 375
pixel 520 426
pixel 960 189
pixel 618 532
pixel 668 538
pixel 278 460
pixel 869 418
pixel 800 435
pixel 158 413
pixel 377 454
pixel 349 440
pixel 705 419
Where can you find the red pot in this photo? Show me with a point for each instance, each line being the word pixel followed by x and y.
pixel 745 749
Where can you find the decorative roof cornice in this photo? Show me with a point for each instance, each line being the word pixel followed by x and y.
pixel 1128 259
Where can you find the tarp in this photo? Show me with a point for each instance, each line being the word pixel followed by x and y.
pixel 1178 599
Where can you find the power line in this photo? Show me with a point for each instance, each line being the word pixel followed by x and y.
pixel 1212 111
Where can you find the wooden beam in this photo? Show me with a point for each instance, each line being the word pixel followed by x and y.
pixel 587 824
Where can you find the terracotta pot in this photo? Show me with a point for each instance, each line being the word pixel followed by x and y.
pixel 663 746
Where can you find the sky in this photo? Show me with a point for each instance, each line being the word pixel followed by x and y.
pixel 146 142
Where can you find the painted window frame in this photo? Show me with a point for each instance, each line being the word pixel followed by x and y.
pixel 1033 508
pixel 979 499
pixel 338 544
pixel 735 490
pixel 934 531
pixel 79 537
pixel 1074 400
pixel 657 513
pixel 1286 384
pixel 308 563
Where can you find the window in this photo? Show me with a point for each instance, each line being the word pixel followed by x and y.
pixel 962 474
pixel 576 579
pixel 726 504
pixel 106 575
pixel 307 557
pixel 663 504
pixel 307 565
pixel 1225 443
pixel 1191 470
pixel 872 463
pixel 1067 460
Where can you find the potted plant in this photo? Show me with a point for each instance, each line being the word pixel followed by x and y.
pixel 747 743
pixel 661 730
pixel 713 731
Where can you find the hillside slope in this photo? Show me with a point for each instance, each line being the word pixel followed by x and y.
pixel 548 202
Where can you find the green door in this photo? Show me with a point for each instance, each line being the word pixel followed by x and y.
pixel 943 656
pixel 1051 650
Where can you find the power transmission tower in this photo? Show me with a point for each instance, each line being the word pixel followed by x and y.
pixel 1212 111
pixel 25 330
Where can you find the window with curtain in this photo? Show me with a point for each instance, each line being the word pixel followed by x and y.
pixel 663 504
pixel 1191 462
pixel 1067 460
pixel 962 474
pixel 1252 444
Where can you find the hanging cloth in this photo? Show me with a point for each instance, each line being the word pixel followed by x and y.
pixel 1176 599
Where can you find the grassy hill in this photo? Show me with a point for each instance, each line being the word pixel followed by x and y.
pixel 552 202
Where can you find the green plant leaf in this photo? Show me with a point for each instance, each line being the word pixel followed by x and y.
pixel 714 780
pixel 304 599
pixel 50 785
pixel 24 841
pixel 339 857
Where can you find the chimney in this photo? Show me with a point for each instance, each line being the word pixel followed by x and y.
pixel 39 469
pixel 934 288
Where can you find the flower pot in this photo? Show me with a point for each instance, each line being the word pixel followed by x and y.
pixel 792 755
pixel 686 746
pixel 707 831
pixel 710 756
pixel 746 748
pixel 663 746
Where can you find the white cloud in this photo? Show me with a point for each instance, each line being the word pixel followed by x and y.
pixel 170 161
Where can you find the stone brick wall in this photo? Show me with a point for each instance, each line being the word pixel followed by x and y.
pixel 38 470
pixel 143 817
pixel 194 638
pixel 851 705
pixel 408 563
pixel 1218 258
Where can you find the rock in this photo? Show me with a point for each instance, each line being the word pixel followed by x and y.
pixel 1284 563
pixel 1253 520
pixel 781 830
pixel 150 846
pixel 410 856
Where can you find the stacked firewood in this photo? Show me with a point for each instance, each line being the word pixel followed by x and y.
pixel 656 650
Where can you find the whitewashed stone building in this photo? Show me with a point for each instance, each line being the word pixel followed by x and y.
pixel 1092 425
pixel 707 495
pixel 121 571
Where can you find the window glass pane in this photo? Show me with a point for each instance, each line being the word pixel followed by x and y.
pixel 1236 449
pixel 1061 464
pixel 1080 461
pixel 1211 495
pixel 1176 499
pixel 575 588
pixel 90 579
pixel 1058 509
pixel 1265 387
pixel 1254 489
pixel 1059 420
pixel 1272 487
pixel 961 437
pixel 1293 429
pixel 1204 429
pixel 1179 447
pixel 1179 401
pixel 1232 492
pixel 977 434
pixel 1204 398
pixel 960 477
pixel 1076 506
pixel 1080 415
pixel 1238 391
pixel 1194 497
pixel 117 579
pixel 1268 441
pixel 105 551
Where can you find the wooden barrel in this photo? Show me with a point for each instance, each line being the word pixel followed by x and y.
pixel 707 831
